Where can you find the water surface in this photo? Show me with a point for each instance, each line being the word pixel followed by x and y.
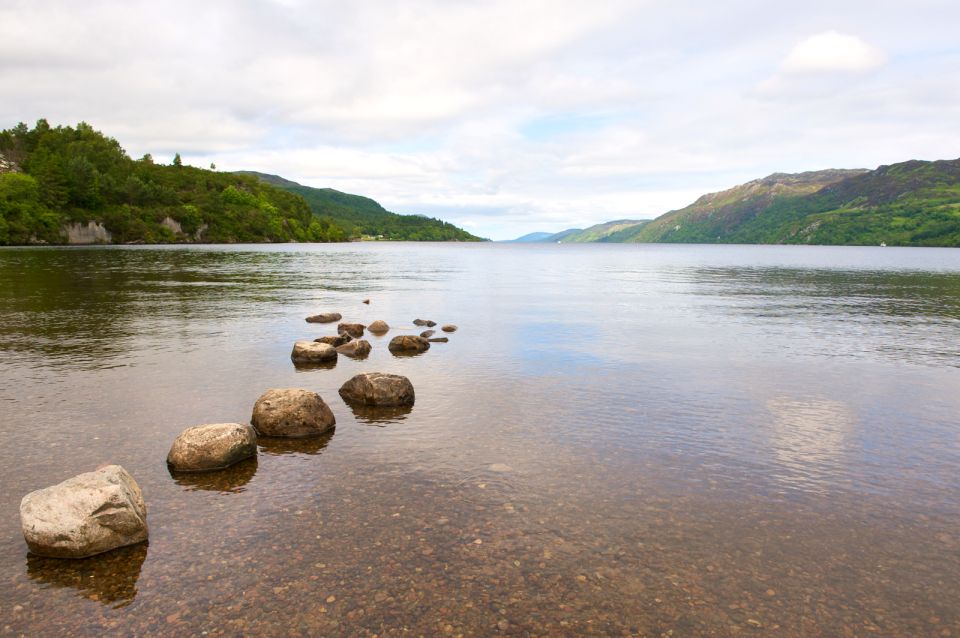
pixel 619 440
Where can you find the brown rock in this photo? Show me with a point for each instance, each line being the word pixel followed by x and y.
pixel 312 352
pixel 325 317
pixel 337 341
pixel 88 514
pixel 378 327
pixel 408 344
pixel 423 322
pixel 439 340
pixel 359 349
pixel 449 328
pixel 378 389
pixel 366 301
pixel 291 412
pixel 426 334
pixel 212 447
pixel 355 330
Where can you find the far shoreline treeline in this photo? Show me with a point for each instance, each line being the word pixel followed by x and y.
pixel 74 185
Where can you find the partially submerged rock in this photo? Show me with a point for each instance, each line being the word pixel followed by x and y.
pixel 424 322
pixel 366 301
pixel 88 514
pixel 325 317
pixel 212 447
pixel 355 330
pixel 337 341
pixel 449 328
pixel 408 344
pixel 313 352
pixel 291 412
pixel 378 389
pixel 439 340
pixel 426 334
pixel 378 327
pixel 359 349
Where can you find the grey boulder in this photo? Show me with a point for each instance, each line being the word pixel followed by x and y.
pixel 212 446
pixel 378 389
pixel 312 352
pixel 88 514
pixel 360 348
pixel 408 344
pixel 325 317
pixel 291 412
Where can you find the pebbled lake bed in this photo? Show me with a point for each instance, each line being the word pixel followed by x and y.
pixel 619 440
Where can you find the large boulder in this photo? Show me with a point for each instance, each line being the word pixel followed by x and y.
pixel 378 389
pixel 378 327
pixel 355 330
pixel 325 317
pixel 358 349
pixel 449 328
pixel 88 514
pixel 291 412
pixel 313 352
pixel 337 341
pixel 212 447
pixel 407 344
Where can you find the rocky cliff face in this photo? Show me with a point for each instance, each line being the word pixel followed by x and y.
pixel 8 165
pixel 89 233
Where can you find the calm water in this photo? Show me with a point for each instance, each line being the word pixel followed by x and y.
pixel 619 440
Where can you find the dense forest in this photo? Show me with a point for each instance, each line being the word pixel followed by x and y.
pixel 54 176
pixel 366 218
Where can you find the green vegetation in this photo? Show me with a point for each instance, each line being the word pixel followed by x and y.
pixel 78 175
pixel 366 218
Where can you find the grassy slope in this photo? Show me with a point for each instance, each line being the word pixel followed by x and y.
pixel 603 232
pixel 364 216
pixel 912 203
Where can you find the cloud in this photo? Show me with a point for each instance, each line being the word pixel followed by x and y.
pixel 832 51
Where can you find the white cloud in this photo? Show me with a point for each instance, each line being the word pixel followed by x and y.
pixel 832 51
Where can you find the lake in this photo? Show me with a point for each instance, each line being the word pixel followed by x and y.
pixel 619 440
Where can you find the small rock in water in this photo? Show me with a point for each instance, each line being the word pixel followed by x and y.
pixel 499 467
pixel 292 413
pixel 378 389
pixel 449 328
pixel 355 330
pixel 426 334
pixel 431 324
pixel 212 446
pixel 325 317
pixel 88 514
pixel 438 340
pixel 312 352
pixel 358 349
pixel 378 327
pixel 408 344
pixel 366 301
pixel 420 322
pixel 337 341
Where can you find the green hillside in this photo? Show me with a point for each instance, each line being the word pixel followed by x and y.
pixel 363 216
pixel 914 203
pixel 603 232
pixel 52 179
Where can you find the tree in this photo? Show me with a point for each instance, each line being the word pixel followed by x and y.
pixel 213 166
pixel 177 161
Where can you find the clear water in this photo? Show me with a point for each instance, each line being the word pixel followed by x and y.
pixel 619 440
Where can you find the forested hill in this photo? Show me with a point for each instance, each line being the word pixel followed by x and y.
pixel 364 217
pixel 75 185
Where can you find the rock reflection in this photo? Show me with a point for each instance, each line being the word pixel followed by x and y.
pixel 279 446
pixel 311 367
pixel 809 438
pixel 230 480
pixel 109 578
pixel 380 416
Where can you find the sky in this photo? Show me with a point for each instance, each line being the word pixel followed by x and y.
pixel 501 117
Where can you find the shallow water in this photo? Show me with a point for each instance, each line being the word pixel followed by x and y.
pixel 619 440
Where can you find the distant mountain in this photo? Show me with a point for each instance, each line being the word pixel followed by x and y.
pixel 363 216
pixel 533 237
pixel 914 203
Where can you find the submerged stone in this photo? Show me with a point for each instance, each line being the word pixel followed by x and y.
pixel 355 330
pixel 378 389
pixel 408 344
pixel 359 349
pixel 325 317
